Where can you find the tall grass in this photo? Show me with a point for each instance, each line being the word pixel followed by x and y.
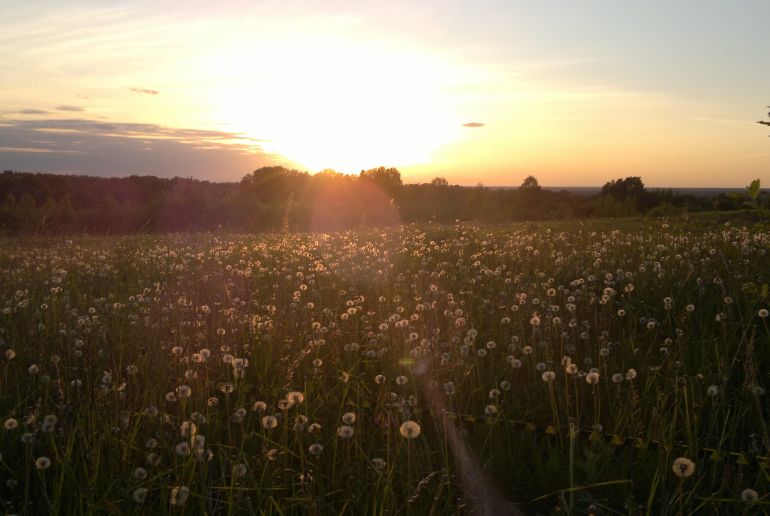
pixel 551 367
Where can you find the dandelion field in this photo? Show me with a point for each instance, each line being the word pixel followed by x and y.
pixel 602 367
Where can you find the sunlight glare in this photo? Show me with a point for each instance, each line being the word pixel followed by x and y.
pixel 323 102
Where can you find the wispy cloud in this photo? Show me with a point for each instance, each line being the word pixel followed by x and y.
pixel 474 124
pixel 145 91
pixel 32 112
pixel 108 149
pixel 70 108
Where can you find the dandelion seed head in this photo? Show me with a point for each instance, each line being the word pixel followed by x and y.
pixel 749 496
pixel 409 430
pixel 140 494
pixel 683 467
pixel 345 431
pixel 269 422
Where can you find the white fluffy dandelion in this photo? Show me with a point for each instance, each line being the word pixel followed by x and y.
pixel 179 495
pixel 683 467
pixel 269 422
pixel 345 431
pixel 140 494
pixel 409 430
pixel 42 463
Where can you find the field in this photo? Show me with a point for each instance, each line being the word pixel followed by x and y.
pixel 607 367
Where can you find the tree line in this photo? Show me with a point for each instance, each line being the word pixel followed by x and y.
pixel 282 199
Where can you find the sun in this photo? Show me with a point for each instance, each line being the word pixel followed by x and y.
pixel 327 103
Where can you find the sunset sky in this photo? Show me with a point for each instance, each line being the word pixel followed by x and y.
pixel 575 93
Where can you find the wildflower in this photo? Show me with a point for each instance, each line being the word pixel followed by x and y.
pixel 409 430
pixel 227 387
pixel 295 397
pixel 490 410
pixel 712 390
pixel 683 467
pixel 11 424
pixel 140 473
pixel 269 422
pixel 378 463
pixel 401 380
pixel 140 494
pixel 42 463
pixel 379 379
pixel 549 376
pixel 749 496
pixel 11 354
pixel 184 391
pixel 592 378
pixel 631 374
pixel 182 449
pixel 617 378
pixel 179 495
pixel 349 418
pixel 238 416
pixel 316 449
pixel 345 431
pixel 763 313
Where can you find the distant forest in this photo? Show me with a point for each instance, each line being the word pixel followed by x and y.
pixel 281 199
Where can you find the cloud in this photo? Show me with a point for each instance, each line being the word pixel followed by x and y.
pixel 144 91
pixel 32 112
pixel 94 147
pixel 70 108
pixel 474 124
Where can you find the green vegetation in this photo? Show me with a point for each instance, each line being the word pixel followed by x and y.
pixel 613 367
pixel 280 199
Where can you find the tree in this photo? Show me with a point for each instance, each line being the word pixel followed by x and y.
pixel 389 179
pixel 530 184
pixel 622 189
pixel 439 181
pixel 753 191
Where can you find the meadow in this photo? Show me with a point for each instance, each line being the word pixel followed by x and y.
pixel 604 367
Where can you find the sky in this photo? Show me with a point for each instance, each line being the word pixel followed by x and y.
pixel 489 91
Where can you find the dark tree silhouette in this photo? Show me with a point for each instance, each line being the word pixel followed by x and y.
pixel 389 179
pixel 530 184
pixel 439 181
pixel 622 189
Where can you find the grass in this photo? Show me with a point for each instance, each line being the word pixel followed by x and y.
pixel 146 369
